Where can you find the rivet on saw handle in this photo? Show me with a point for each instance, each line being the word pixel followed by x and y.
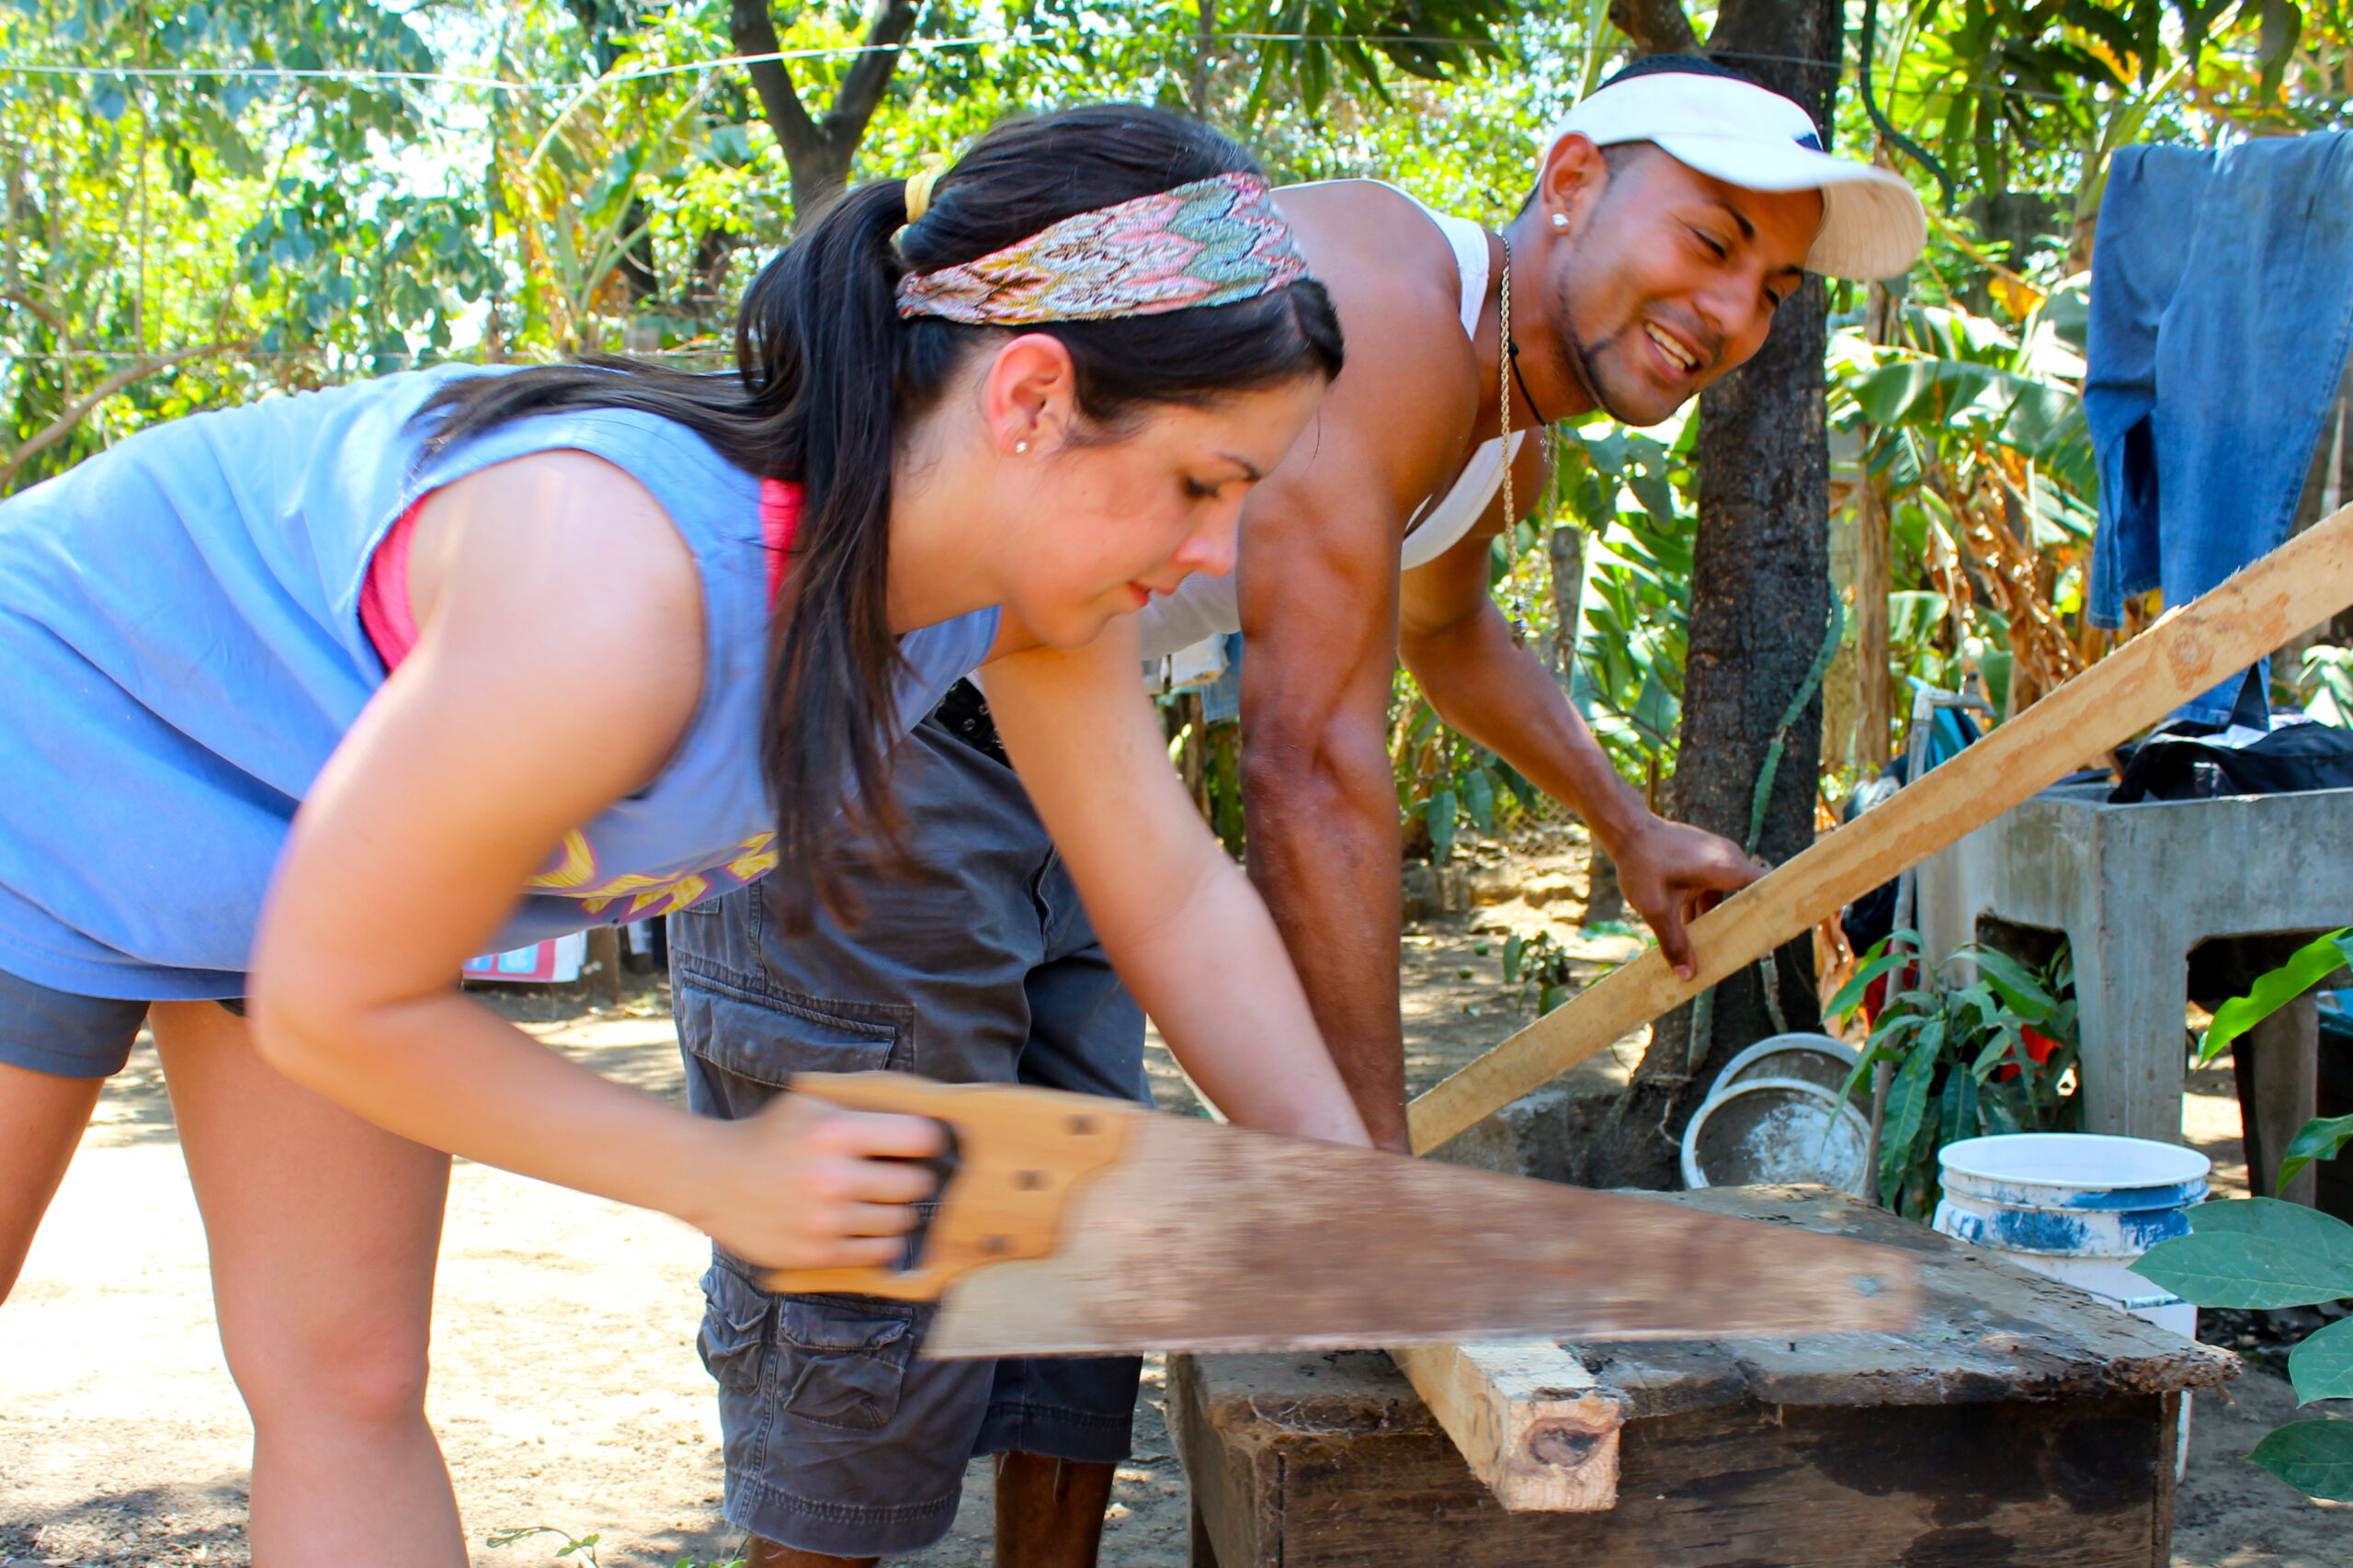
pixel 1019 1154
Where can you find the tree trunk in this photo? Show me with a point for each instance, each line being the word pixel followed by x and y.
pixel 1564 553
pixel 819 150
pixel 1760 604
pixel 1657 26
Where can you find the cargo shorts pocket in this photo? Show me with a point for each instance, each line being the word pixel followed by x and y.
pixel 741 1051
pixel 843 1359
pixel 735 1338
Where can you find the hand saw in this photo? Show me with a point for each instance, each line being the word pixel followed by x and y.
pixel 1075 1225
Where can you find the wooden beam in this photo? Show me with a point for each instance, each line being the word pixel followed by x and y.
pixel 2301 584
pixel 1529 1419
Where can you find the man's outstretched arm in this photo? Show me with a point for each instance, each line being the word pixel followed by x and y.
pixel 1485 685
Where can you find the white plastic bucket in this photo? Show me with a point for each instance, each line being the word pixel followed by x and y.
pixel 2077 1207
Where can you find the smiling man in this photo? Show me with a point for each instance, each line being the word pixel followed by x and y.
pixel 1673 211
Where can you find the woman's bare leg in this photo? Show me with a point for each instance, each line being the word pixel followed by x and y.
pixel 41 1118
pixel 323 1230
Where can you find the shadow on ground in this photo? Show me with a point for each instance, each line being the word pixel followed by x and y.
pixel 160 1525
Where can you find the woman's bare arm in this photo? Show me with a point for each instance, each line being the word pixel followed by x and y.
pixel 1186 929
pixel 560 660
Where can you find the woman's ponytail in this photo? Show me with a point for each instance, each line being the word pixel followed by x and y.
pixel 819 344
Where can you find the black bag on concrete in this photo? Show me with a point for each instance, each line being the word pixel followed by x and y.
pixel 2196 763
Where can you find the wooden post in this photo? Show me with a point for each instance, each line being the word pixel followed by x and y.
pixel 2276 1065
pixel 605 962
pixel 1875 712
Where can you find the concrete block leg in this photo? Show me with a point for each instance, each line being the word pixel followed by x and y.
pixel 2132 973
pixel 2277 1067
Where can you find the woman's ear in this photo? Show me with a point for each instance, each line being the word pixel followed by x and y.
pixel 1030 396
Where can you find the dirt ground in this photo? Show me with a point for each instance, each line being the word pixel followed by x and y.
pixel 566 1388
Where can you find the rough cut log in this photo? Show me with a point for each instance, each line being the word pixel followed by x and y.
pixel 2297 586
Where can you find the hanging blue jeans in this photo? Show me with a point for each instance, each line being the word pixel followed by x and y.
pixel 2221 310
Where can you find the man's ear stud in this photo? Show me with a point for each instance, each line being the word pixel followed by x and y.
pixel 1559 220
pixel 1019 447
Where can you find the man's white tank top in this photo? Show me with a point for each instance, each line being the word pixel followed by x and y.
pixel 1207 607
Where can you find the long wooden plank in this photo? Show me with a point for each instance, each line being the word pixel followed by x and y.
pixel 1528 1420
pixel 2296 586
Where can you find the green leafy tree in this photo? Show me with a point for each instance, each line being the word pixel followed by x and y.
pixel 169 241
pixel 1302 46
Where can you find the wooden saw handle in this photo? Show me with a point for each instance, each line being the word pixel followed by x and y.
pixel 1020 1153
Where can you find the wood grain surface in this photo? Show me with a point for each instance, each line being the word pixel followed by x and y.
pixel 1987 1330
pixel 2083 1482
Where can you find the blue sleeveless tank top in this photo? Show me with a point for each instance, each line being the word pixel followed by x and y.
pixel 180 652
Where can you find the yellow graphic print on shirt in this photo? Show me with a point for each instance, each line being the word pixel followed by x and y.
pixel 573 875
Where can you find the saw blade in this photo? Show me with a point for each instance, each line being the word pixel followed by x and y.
pixel 1203 1237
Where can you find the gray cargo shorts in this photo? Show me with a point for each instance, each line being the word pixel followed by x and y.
pixel 977 966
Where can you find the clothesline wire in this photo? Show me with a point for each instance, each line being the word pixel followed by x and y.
pixel 361 75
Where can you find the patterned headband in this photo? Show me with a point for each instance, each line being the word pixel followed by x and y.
pixel 1209 243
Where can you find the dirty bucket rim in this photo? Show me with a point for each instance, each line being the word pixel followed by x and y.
pixel 1792 1043
pixel 1981 1158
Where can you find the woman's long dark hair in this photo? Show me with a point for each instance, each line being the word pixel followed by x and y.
pixel 830 379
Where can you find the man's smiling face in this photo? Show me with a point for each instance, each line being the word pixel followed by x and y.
pixel 1669 279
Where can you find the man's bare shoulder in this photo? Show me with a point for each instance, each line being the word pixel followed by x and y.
pixel 1410 375
pixel 1373 245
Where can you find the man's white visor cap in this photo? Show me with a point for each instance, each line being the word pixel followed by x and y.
pixel 1872 225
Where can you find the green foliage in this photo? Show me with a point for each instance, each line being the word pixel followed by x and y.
pixel 1963 1057
pixel 2261 1253
pixel 2324 685
pixel 1312 46
pixel 2323 1138
pixel 1634 496
pixel 2322 1367
pixel 2256 1253
pixel 2264 1253
pixel 2305 968
pixel 1538 967
pixel 2314 1457
pixel 1447 785
pixel 1971 435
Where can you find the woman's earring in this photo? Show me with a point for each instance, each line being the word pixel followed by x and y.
pixel 1559 220
pixel 1020 447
